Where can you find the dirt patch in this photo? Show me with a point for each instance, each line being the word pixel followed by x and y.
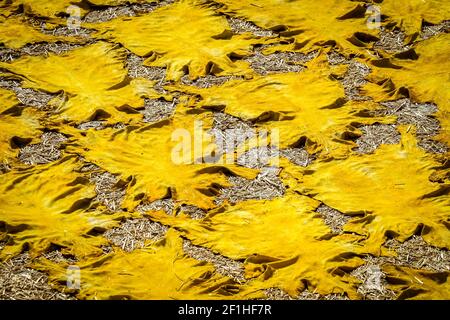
pixel 118 125
pixel 375 135
pixel 43 49
pixel 133 233
pixel 207 81
pixel 63 31
pixel 230 132
pixel 7 54
pixel 355 76
pixel 3 243
pixel 103 14
pixel 419 115
pixel 257 157
pixel 192 211
pixel 4 168
pixel 47 151
pixel 332 218
pixel 242 26
pixel 267 185
pixel 308 295
pixel 167 205
pixel 97 125
pixel 38 49
pixel 58 257
pixel 335 58
pixel 279 294
pixel 298 156
pixel 224 121
pixel 68 32
pixel 156 110
pixel 432 146
pixel 136 69
pixel 110 13
pixel 279 62
pixel 19 282
pixel 373 280
pixel 391 41
pixel 261 157
pixel 225 266
pixel 107 189
pixel 26 96
pixel 418 254
pixel 429 31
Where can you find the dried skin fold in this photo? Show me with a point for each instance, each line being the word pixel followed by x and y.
pixel 47 205
pixel 390 187
pixel 311 23
pixel 7 100
pixel 93 78
pixel 410 14
pixel 417 284
pixel 183 36
pixel 282 241
pixel 159 271
pixel 25 128
pixel 157 163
